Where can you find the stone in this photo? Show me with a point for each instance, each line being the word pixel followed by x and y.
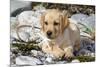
pixel 30 32
pixel 79 17
pixel 87 44
pixel 37 53
pixel 34 52
pixel 26 60
pixel 90 21
pixel 84 52
pixel 24 33
pixel 26 18
pixel 92 54
pixel 86 24
pixel 40 53
pixel 43 59
pixel 49 59
pixel 29 18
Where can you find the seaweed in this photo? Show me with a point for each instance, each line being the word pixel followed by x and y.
pixel 82 59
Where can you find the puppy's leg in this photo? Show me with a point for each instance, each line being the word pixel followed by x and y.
pixel 46 48
pixel 68 52
pixel 57 52
pixel 53 50
pixel 77 46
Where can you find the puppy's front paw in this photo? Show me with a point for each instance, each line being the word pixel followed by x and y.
pixel 69 55
pixel 69 52
pixel 57 52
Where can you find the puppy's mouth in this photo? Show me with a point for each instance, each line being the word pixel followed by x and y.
pixel 50 37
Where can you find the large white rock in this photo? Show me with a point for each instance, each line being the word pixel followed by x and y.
pixel 32 19
pixel 49 59
pixel 79 17
pixel 26 60
pixel 92 54
pixel 34 52
pixel 26 18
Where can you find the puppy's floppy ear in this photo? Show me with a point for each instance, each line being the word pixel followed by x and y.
pixel 42 21
pixel 64 22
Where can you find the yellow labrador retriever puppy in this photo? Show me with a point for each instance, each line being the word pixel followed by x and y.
pixel 63 34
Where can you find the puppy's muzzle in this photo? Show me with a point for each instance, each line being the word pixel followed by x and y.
pixel 49 33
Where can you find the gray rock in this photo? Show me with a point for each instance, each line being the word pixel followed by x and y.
pixel 26 18
pixel 49 60
pixel 29 18
pixel 40 53
pixel 34 52
pixel 79 17
pixel 87 44
pixel 32 19
pixel 92 54
pixel 28 34
pixel 26 60
pixel 87 47
pixel 90 21
pixel 84 52
pixel 43 59
pixel 37 61
pixel 24 33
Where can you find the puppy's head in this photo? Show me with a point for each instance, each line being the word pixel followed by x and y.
pixel 53 23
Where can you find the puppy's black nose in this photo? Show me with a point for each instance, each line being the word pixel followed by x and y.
pixel 49 33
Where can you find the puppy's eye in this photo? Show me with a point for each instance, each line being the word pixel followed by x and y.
pixel 55 23
pixel 46 23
